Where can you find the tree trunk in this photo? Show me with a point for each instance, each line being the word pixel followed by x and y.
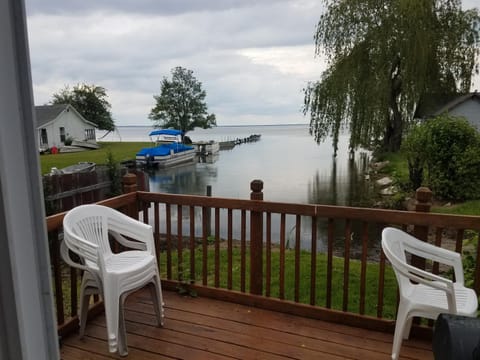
pixel 394 129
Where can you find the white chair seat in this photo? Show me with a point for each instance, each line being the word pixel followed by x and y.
pixel 429 298
pixel 88 230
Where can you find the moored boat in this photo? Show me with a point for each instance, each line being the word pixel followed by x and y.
pixel 169 150
pixel 206 147
pixel 81 167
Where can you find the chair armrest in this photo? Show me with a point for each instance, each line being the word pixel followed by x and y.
pixel 128 243
pixel 64 253
pixel 428 279
pixel 124 225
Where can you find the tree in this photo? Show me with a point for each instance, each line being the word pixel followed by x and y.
pixel 383 57
pixel 181 103
pixel 90 101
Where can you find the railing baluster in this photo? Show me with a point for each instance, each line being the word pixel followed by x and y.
pixel 230 250
pixel 346 263
pixel 243 251
pixel 282 258
pixel 363 273
pixel 381 285
pixel 217 247
pixel 168 224
pixel 192 244
pixel 438 242
pixel 179 244
pixel 57 273
pixel 331 234
pixel 476 283
pixel 298 226
pixel 268 254
pixel 205 234
pixel 313 262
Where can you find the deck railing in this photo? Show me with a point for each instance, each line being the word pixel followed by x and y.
pixel 313 260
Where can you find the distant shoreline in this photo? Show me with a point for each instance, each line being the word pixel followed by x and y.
pixel 292 124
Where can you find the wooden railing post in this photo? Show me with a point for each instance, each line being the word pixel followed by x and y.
pixel 423 204
pixel 256 241
pixel 129 184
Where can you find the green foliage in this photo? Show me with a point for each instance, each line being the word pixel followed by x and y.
pixel 90 101
pixel 413 148
pixel 383 56
pixel 181 103
pixel 114 175
pixel 447 148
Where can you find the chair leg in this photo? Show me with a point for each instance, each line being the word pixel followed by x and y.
pixel 408 326
pixel 400 327
pixel 112 316
pixel 122 331
pixel 157 298
pixel 84 303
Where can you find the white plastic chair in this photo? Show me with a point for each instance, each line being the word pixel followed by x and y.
pixel 112 275
pixel 422 293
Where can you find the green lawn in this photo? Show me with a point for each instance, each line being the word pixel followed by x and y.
pixel 371 301
pixel 121 151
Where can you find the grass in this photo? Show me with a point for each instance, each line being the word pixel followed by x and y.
pixel 121 151
pixel 371 300
pixel 471 207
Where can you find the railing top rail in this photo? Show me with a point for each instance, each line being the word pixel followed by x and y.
pixel 326 211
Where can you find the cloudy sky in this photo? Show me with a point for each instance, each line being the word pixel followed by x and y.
pixel 253 57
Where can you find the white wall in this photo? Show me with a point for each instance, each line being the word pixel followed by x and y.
pixel 469 109
pixel 74 127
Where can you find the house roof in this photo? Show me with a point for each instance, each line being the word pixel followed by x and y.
pixel 435 104
pixel 48 113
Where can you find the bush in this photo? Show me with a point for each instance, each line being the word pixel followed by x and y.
pixel 444 154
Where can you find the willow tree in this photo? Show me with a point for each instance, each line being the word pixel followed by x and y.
pixel 384 57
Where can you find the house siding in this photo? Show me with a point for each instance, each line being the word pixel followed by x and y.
pixel 469 109
pixel 74 128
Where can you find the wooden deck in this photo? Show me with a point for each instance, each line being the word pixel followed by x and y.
pixel 200 328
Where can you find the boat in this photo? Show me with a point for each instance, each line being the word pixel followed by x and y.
pixel 169 150
pixel 81 167
pixel 206 147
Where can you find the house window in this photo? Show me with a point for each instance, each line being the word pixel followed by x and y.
pixel 62 134
pixel 89 134
pixel 43 137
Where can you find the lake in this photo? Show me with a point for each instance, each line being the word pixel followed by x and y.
pixel 292 166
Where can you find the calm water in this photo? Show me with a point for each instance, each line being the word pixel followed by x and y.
pixel 289 162
pixel 291 165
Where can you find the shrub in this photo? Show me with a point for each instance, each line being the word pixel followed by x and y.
pixel 444 154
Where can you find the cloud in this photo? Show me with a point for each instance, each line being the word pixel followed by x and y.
pixel 252 57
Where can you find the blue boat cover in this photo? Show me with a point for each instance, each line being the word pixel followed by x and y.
pixel 164 149
pixel 173 132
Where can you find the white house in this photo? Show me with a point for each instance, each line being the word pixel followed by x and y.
pixel 59 123
pixel 465 105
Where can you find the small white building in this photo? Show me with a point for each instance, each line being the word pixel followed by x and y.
pixel 57 124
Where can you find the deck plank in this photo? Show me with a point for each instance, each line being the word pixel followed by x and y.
pixel 201 328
